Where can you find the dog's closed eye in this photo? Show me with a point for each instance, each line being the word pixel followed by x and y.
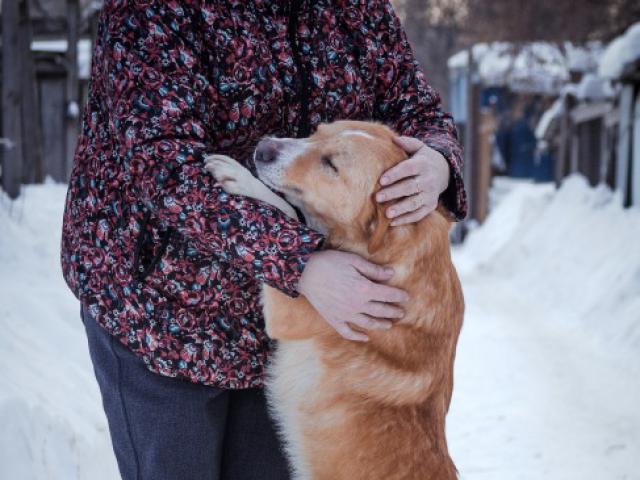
pixel 327 161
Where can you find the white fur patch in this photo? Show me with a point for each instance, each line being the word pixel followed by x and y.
pixel 291 382
pixel 362 133
pixel 273 173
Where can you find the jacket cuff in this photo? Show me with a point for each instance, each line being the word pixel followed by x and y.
pixel 295 247
pixel 454 198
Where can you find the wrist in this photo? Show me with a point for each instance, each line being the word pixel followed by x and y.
pixel 307 273
pixel 444 173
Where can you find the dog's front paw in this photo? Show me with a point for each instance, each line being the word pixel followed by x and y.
pixel 234 178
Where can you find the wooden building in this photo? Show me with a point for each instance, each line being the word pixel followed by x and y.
pixel 498 94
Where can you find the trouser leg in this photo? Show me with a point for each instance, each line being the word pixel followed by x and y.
pixel 252 449
pixel 161 428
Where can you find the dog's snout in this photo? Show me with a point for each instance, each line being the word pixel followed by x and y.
pixel 267 151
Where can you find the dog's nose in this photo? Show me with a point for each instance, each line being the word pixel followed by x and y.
pixel 267 151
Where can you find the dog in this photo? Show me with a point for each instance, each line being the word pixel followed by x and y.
pixel 357 410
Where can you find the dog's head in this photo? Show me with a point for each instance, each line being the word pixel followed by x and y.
pixel 332 177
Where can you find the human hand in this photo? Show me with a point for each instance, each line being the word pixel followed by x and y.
pixel 343 288
pixel 418 181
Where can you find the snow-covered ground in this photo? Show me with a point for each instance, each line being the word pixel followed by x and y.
pixel 52 424
pixel 548 361
pixel 549 356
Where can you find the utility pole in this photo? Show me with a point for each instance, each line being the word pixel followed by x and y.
pixel 11 99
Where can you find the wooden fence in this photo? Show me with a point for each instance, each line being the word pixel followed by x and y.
pixel 40 94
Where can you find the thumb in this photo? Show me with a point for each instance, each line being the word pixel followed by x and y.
pixel 373 271
pixel 408 144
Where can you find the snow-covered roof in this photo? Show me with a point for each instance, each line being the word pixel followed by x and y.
pixel 537 67
pixel 620 52
pixel 593 88
pixel 60 46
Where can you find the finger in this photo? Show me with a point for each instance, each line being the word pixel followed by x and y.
pixel 410 204
pixel 347 332
pixel 412 217
pixel 387 294
pixel 372 271
pixel 371 323
pixel 404 188
pixel 406 168
pixel 383 310
pixel 408 144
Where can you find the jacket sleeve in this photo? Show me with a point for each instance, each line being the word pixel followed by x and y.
pixel 406 102
pixel 159 99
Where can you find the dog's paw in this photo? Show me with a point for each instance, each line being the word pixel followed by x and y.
pixel 233 177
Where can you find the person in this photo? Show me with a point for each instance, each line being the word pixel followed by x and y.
pixel 168 266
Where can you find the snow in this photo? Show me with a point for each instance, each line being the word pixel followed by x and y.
pixel 547 364
pixel 546 371
pixel 548 117
pixel 60 46
pixel 593 88
pixel 52 422
pixel 536 67
pixel 620 52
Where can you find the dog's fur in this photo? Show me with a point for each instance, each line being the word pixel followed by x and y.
pixel 350 410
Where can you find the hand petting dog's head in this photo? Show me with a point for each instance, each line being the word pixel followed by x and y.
pixel 332 177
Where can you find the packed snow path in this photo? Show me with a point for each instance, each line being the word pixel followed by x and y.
pixel 547 369
pixel 546 373
pixel 532 402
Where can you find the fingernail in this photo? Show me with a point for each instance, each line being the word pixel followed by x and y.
pixel 384 180
pixel 380 197
pixel 387 325
pixel 389 271
pixel 394 223
pixel 391 213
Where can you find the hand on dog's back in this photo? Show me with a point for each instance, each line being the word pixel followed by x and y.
pixel 342 288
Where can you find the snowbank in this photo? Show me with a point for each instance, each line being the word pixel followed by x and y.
pixel 546 370
pixel 53 426
pixel 537 67
pixel 575 252
pixel 547 365
pixel 548 117
pixel 620 52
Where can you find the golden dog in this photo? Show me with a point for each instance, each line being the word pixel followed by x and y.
pixel 350 410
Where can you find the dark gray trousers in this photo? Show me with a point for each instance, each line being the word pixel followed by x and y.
pixel 168 429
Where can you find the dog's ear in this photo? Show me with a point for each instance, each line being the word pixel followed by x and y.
pixel 377 227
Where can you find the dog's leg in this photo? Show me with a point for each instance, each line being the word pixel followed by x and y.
pixel 237 180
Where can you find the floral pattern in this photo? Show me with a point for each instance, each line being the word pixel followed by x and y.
pixel 161 256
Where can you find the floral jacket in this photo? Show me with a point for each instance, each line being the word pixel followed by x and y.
pixel 161 256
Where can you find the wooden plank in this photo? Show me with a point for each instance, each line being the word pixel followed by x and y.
pixel 486 133
pixel 605 151
pixel 11 99
pixel 32 139
pixel 585 112
pixel 588 157
pixel 635 157
pixel 52 109
pixel 469 134
pixel 72 107
pixel 565 142
pixel 623 150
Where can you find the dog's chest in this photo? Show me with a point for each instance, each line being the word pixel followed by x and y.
pixel 293 383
